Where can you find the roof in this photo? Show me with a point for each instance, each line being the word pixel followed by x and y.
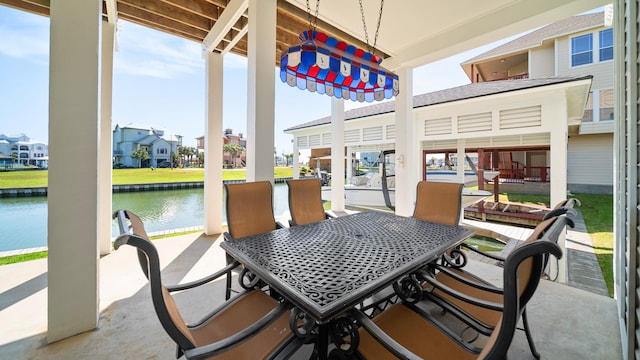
pixel 536 38
pixel 459 93
pixel 411 33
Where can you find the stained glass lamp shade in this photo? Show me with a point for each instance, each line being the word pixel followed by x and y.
pixel 325 65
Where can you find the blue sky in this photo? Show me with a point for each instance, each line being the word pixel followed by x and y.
pixel 159 81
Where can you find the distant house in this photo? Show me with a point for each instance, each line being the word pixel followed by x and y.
pixel 576 46
pixel 158 144
pixel 24 151
pixel 230 138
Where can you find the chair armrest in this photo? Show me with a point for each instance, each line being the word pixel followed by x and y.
pixel 486 254
pixel 461 296
pixel 205 280
pixel 385 340
pixel 225 344
pixel 477 283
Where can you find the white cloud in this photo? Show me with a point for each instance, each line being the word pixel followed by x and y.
pixel 24 35
pixel 146 52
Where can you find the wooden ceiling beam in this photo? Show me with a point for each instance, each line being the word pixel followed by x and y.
pixel 40 7
pixel 159 23
pixel 168 11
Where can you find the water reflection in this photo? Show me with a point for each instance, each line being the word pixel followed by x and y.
pixel 24 220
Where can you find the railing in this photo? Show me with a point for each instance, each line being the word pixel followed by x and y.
pixel 528 173
pixel 515 77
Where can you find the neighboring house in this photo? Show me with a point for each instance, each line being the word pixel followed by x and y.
pixel 230 138
pixel 23 151
pixel 158 144
pixel 577 46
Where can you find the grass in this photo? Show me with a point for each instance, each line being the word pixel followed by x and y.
pixel 23 257
pixel 39 178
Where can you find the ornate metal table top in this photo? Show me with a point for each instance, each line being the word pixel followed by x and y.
pixel 326 267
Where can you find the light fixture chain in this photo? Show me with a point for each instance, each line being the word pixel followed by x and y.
pixel 371 48
pixel 313 19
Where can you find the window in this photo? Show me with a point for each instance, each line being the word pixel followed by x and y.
pixel 582 50
pixel 161 150
pixel 606 44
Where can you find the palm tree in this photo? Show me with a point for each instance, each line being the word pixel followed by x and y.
pixel 234 150
pixel 141 155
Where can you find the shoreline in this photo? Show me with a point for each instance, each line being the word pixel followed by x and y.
pixel 42 191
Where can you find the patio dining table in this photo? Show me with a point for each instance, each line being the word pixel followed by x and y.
pixel 325 268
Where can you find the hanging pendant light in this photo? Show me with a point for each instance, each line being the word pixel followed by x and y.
pixel 326 65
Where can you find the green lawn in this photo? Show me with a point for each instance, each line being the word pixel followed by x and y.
pixel 38 178
pixel 597 211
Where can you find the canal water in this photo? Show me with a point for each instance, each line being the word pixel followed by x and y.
pixel 24 219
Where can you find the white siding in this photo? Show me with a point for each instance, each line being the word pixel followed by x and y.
pixel 602 71
pixel 590 159
pixel 542 62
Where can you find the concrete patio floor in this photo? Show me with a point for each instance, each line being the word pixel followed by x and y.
pixel 566 322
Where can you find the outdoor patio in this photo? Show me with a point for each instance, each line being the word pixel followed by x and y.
pixel 566 322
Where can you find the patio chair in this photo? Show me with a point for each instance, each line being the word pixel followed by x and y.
pixel 251 325
pixel 449 288
pixel 305 202
pixel 407 331
pixel 249 212
pixel 439 202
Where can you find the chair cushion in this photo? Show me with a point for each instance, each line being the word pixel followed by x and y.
pixel 414 333
pixel 244 311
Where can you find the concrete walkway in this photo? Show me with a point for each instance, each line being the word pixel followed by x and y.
pixel 583 269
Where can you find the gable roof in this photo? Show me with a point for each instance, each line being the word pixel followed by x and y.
pixel 463 92
pixel 536 38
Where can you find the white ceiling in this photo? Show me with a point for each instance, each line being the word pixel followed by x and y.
pixel 416 32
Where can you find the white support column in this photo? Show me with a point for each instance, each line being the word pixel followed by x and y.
pixel 261 87
pixel 74 110
pixel 213 145
pixel 105 162
pixel 408 154
pixel 337 154
pixel 461 160
pixel 296 160
pixel 558 176
pixel 349 163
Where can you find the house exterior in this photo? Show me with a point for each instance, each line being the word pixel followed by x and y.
pixel 23 150
pixel 158 144
pixel 229 137
pixel 526 118
pixel 576 46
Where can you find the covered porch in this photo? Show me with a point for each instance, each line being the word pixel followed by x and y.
pixel 82 44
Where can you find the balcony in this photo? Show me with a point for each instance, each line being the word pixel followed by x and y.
pixel 565 320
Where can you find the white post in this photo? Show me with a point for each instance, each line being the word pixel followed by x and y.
pixel 349 163
pixel 558 168
pixel 337 154
pixel 296 160
pixel 261 88
pixel 74 111
pixel 105 162
pixel 408 164
pixel 213 144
